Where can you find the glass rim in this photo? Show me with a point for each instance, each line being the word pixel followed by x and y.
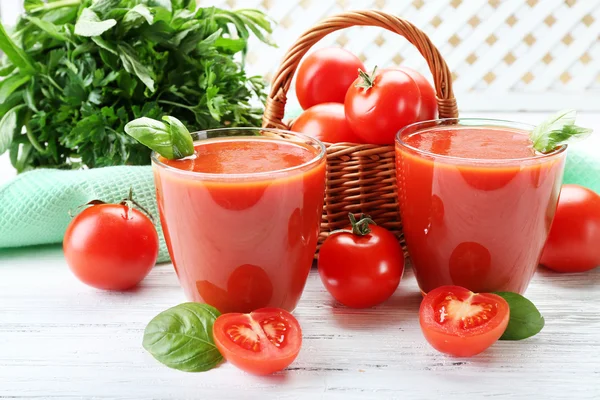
pixel 481 122
pixel 154 156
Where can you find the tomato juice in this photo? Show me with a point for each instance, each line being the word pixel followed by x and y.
pixel 476 202
pixel 241 217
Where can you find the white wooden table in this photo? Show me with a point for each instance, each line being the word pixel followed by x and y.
pixel 62 339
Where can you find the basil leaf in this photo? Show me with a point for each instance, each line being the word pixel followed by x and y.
pixel 170 139
pixel 558 129
pixel 181 337
pixel 525 319
pixel 88 24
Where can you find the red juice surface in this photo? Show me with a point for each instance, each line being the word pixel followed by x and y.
pixel 242 237
pixel 476 206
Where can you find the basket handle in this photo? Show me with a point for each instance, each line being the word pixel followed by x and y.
pixel 274 109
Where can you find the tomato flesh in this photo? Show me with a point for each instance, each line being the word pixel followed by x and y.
pixel 261 342
pixel 461 323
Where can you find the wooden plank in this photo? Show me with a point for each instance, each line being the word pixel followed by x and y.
pixel 61 339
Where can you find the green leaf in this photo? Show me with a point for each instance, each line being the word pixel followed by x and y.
pixel 105 6
pixel 105 44
pixel 231 45
pixel 181 337
pixel 525 319
pixel 10 84
pixel 170 139
pixel 28 5
pixel 8 126
pixel 29 96
pixel 15 53
pixel 48 27
pixel 136 16
pixel 89 25
pixel 166 4
pixel 134 66
pixel 558 129
pixel 60 16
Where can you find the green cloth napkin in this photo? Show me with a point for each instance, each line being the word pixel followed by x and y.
pixel 34 207
pixel 583 165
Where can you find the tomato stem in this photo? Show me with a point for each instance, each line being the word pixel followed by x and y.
pixel 359 228
pixel 366 80
pixel 129 202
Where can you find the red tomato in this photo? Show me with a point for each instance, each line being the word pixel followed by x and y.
pixel 325 76
pixel 574 241
pixel 111 246
pixel 461 323
pixel 262 342
pixel 389 101
pixel 361 270
pixel 428 109
pixel 326 122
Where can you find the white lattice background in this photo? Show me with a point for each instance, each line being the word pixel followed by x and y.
pixel 506 55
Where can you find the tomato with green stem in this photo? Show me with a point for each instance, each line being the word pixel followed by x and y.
pixel 461 323
pixel 111 246
pixel 261 342
pixel 361 266
pixel 380 104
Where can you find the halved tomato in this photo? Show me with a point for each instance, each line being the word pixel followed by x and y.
pixel 262 342
pixel 461 323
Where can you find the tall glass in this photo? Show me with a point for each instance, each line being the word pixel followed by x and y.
pixel 474 222
pixel 242 241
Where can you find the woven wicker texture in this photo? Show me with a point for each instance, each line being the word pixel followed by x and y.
pixel 361 178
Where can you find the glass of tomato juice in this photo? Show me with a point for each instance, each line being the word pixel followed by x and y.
pixel 241 216
pixel 476 202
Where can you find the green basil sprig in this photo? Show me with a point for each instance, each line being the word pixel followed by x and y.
pixel 525 319
pixel 170 138
pixel 559 129
pixel 182 337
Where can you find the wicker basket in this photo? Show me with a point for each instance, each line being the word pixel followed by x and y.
pixel 361 178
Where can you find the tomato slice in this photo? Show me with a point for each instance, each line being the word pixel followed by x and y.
pixel 461 323
pixel 262 342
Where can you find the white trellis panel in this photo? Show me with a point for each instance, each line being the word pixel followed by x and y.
pixel 510 55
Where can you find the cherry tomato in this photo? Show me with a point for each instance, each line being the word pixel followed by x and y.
pixel 387 101
pixel 325 76
pixel 461 323
pixel 262 342
pixel 111 246
pixel 428 109
pixel 326 122
pixel 574 241
pixel 363 266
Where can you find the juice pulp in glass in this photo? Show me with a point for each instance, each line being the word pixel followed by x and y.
pixel 241 220
pixel 476 204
